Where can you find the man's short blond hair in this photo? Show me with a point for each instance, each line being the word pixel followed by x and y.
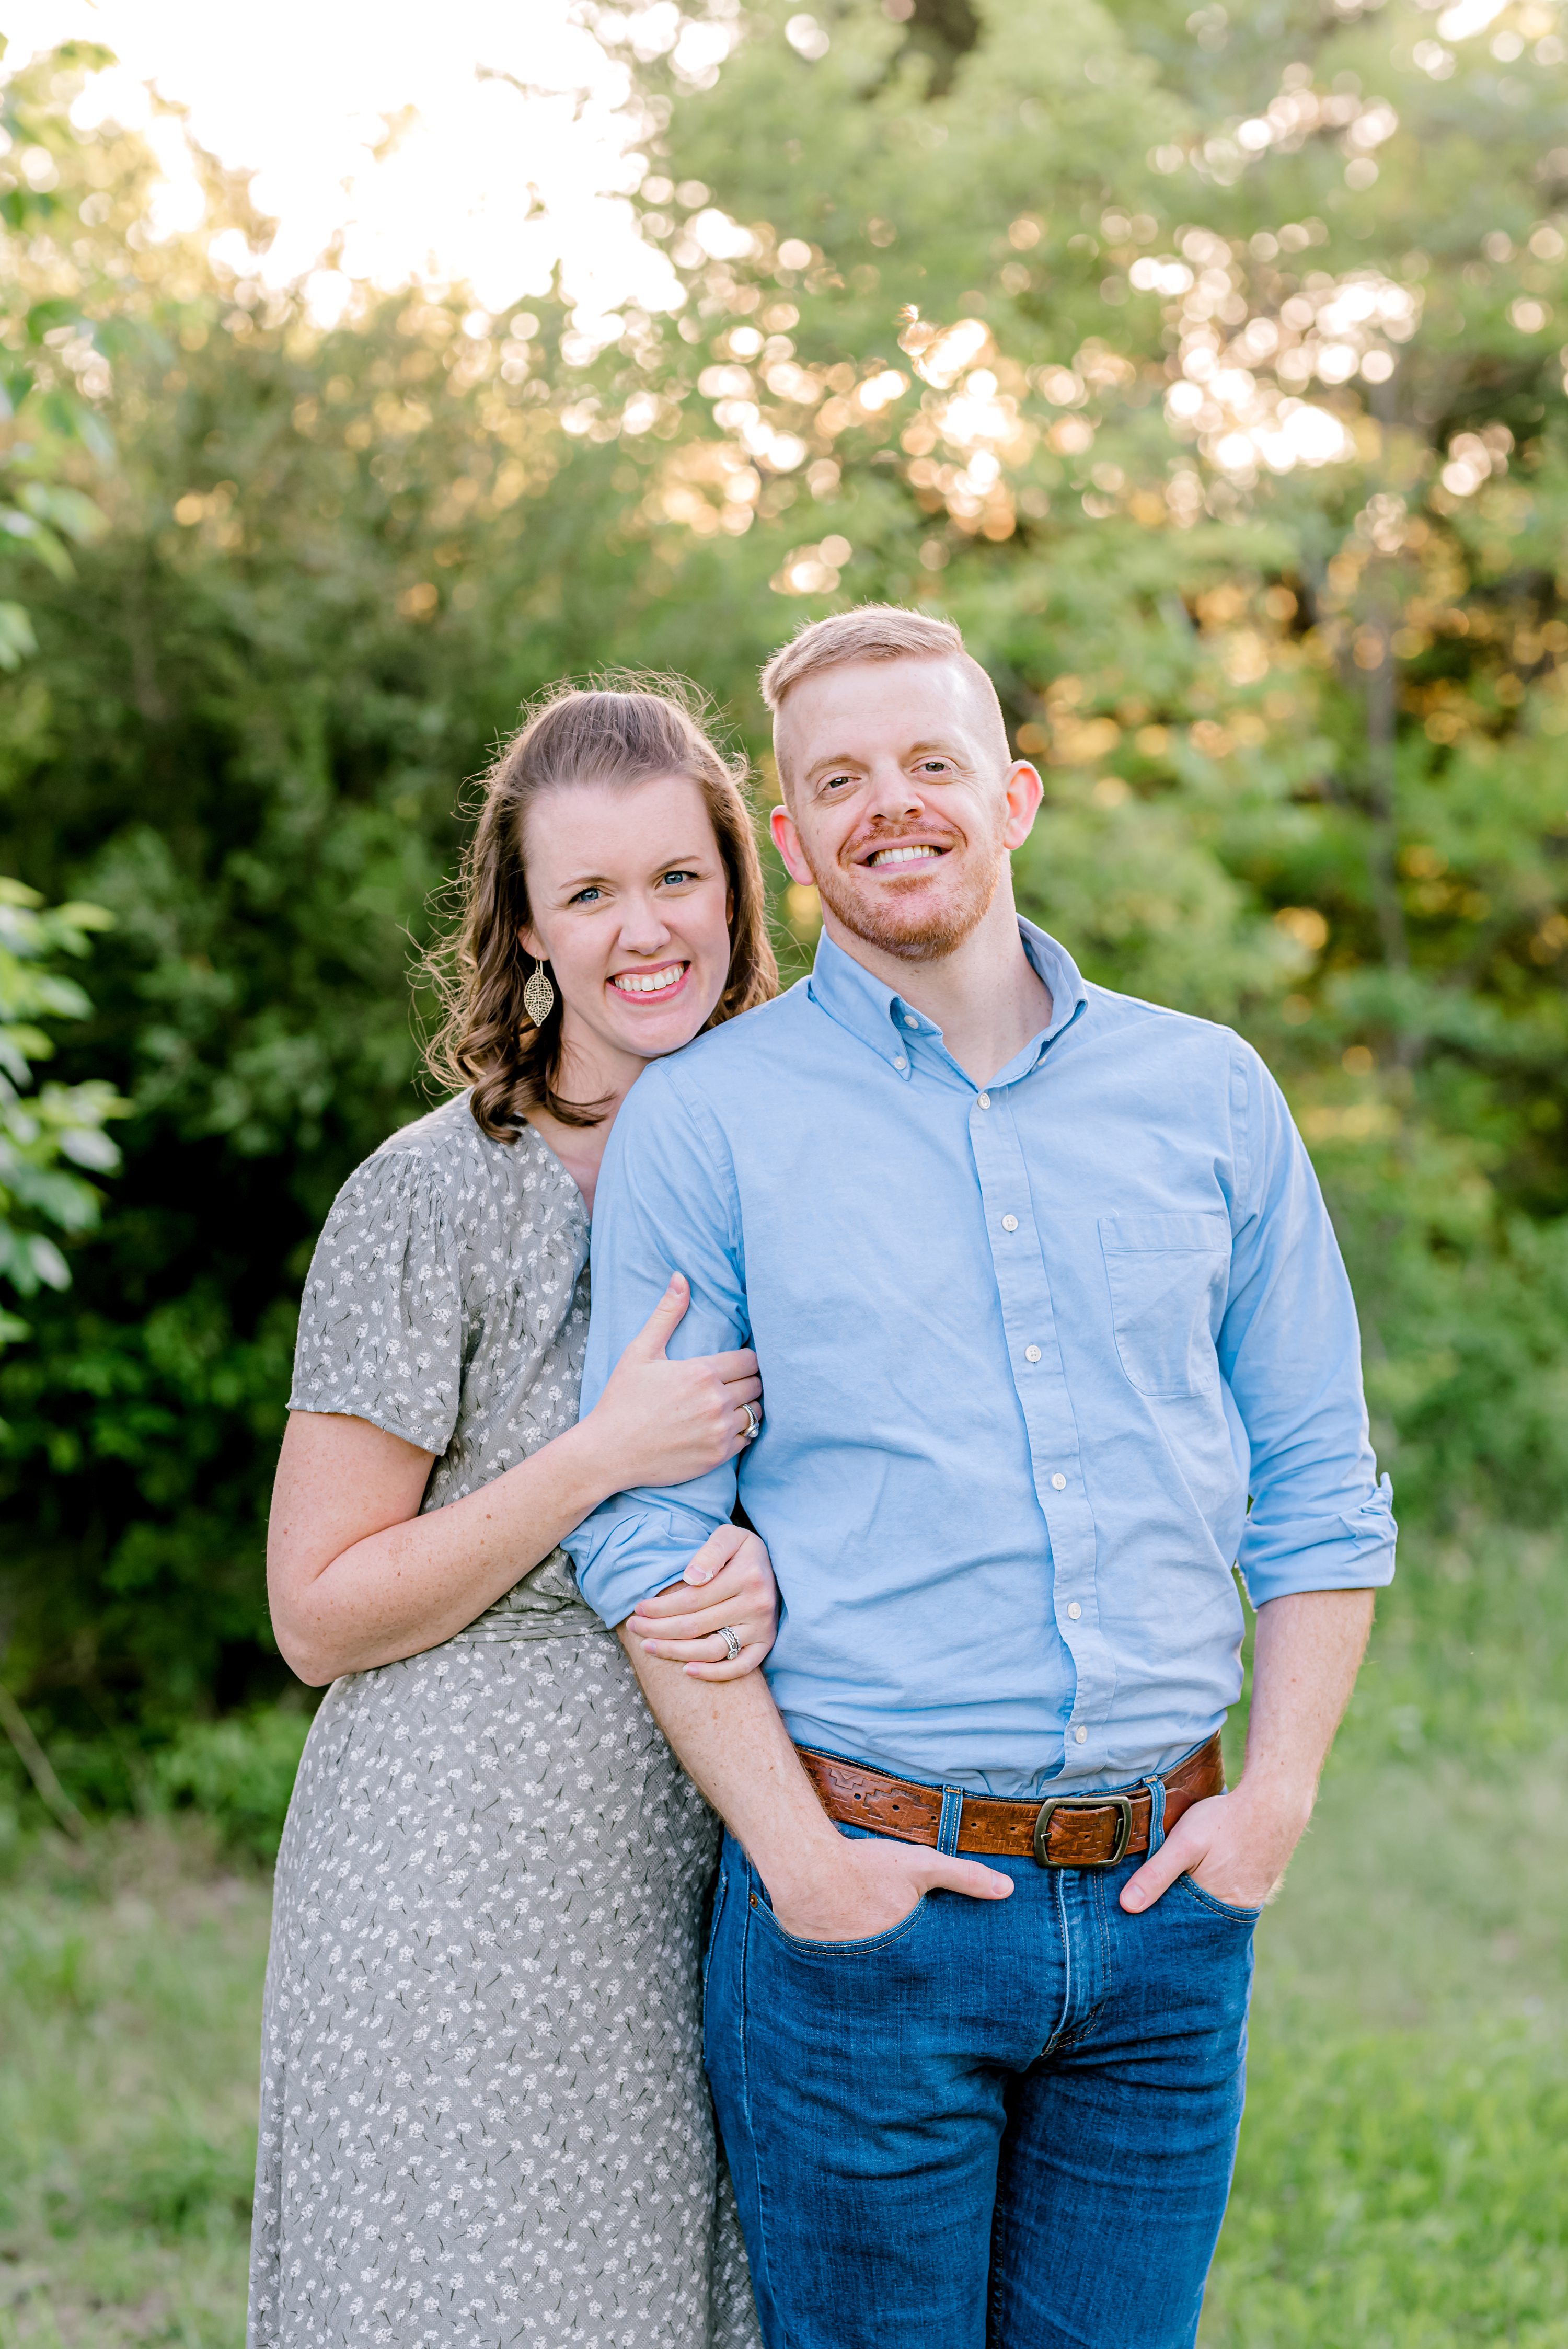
pixel 874 632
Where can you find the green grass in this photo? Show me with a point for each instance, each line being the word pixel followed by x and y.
pixel 1403 2176
pixel 1403 2180
pixel 131 1983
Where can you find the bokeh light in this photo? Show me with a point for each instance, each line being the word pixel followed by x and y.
pixel 482 143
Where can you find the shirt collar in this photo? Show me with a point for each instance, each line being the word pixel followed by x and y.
pixel 847 993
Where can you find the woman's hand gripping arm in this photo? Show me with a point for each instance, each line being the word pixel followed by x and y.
pixel 735 1575
pixel 356 1577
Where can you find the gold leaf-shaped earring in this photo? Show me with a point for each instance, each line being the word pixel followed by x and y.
pixel 538 995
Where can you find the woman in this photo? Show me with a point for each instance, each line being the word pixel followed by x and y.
pixel 484 2119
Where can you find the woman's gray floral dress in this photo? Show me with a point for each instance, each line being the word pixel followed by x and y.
pixel 484 2119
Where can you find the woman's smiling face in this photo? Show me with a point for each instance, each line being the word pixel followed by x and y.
pixel 630 906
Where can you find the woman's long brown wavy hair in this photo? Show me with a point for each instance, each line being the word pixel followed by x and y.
pixel 624 733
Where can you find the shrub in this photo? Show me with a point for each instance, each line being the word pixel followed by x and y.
pixel 238 1773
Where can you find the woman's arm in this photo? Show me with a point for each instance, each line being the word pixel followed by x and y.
pixel 358 1578
pixel 355 1576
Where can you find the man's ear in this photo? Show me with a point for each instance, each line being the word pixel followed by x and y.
pixel 1025 792
pixel 786 841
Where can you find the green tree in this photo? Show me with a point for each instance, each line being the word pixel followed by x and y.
pixel 50 431
pixel 1241 469
pixel 336 563
pixel 1226 413
pixel 46 1135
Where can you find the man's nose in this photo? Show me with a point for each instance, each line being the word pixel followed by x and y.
pixel 893 796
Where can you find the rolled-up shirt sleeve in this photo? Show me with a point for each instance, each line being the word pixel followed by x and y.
pixel 665 1203
pixel 1321 1518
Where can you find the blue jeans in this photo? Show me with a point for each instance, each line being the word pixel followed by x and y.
pixel 997 2125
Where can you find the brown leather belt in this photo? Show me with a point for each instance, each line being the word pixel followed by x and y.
pixel 1064 1831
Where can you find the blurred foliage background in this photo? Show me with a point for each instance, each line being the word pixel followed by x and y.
pixel 1208 372
pixel 1209 369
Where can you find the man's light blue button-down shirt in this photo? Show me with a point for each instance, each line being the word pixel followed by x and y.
pixel 1027 1350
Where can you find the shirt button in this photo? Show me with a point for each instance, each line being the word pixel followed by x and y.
pixel 985 1100
pixel 1075 1610
pixel 910 1021
pixel 1009 1222
pixel 901 1063
pixel 1059 1481
pixel 1031 1353
pixel 1080 1737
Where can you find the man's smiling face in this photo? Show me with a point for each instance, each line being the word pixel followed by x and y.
pixel 903 801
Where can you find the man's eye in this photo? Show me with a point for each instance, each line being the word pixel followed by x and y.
pixel 933 766
pixel 831 782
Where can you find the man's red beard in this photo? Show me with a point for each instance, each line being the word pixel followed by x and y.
pixel 912 926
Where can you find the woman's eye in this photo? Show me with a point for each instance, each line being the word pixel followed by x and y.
pixel 583 898
pixel 677 875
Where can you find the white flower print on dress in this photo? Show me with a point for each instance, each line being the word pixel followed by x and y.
pixel 484 2117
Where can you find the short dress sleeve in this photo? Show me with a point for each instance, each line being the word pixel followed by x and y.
pixel 380 1325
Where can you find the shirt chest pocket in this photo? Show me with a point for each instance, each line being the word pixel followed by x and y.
pixel 1167 1278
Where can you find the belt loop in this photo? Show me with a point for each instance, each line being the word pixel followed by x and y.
pixel 952 1817
pixel 1156 1814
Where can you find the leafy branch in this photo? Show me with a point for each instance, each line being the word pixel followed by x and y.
pixel 47 1134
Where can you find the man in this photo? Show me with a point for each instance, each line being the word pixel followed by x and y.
pixel 1044 1292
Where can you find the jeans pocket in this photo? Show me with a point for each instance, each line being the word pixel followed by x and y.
pixel 869 1947
pixel 1215 1908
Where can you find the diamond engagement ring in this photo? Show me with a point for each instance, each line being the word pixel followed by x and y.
pixel 753 1430
pixel 731 1639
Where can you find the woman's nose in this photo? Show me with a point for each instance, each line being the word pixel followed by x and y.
pixel 644 930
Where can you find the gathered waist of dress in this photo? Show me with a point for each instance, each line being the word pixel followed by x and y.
pixel 544 1604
